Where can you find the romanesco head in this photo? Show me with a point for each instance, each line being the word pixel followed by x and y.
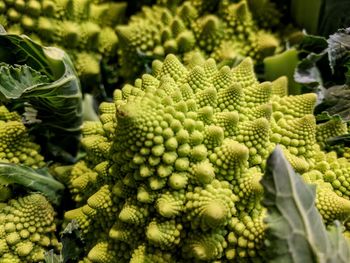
pixel 16 146
pixel 222 30
pixel 187 148
pixel 27 229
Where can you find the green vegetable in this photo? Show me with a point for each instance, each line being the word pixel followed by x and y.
pixel 27 229
pixel 16 144
pixel 324 69
pixel 295 231
pixel 223 30
pixel 82 28
pixel 173 167
pixel 41 83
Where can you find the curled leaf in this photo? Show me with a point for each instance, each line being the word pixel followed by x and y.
pixel 295 230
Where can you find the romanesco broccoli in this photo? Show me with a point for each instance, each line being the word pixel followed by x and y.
pixel 16 146
pixel 177 158
pixel 27 229
pixel 219 29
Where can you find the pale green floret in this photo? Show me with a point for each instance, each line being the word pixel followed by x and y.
pixel 16 145
pixel 329 129
pixel 226 32
pixel 177 179
pixel 27 229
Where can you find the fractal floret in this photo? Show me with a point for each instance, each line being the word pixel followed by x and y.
pixel 222 30
pixel 16 145
pixel 27 229
pixel 176 162
pixel 84 28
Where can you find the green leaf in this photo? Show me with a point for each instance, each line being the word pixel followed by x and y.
pixel 325 69
pixel 72 246
pixel 295 231
pixel 20 76
pixel 313 43
pixel 335 14
pixel 35 180
pixel 335 101
pixel 314 48
pixel 339 47
pixel 340 245
pixel 41 82
pixel 71 242
pixel 341 139
pixel 321 17
pixel 307 72
pixel 51 257
pixel 300 12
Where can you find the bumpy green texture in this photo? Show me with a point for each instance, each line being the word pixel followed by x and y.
pixel 16 146
pixel 84 28
pixel 27 229
pixel 222 30
pixel 176 162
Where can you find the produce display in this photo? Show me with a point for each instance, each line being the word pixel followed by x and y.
pixel 173 167
pixel 226 31
pixel 174 131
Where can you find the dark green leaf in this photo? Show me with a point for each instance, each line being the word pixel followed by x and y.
pixel 303 16
pixel 71 242
pixel 35 180
pixel 339 47
pixel 20 76
pixel 42 83
pixel 325 69
pixel 334 14
pixel 295 231
pixel 324 116
pixel 336 101
pixel 307 72
pixel 342 139
pixel 72 246
pixel 314 44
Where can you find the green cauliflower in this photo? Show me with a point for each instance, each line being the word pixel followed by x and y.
pixel 16 145
pixel 84 28
pixel 219 29
pixel 173 166
pixel 27 229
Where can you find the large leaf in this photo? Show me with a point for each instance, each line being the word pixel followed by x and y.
pixel 20 76
pixel 340 245
pixel 30 179
pixel 41 82
pixel 300 12
pixel 335 14
pixel 321 17
pixel 295 231
pixel 325 69
pixel 313 48
pixel 335 101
